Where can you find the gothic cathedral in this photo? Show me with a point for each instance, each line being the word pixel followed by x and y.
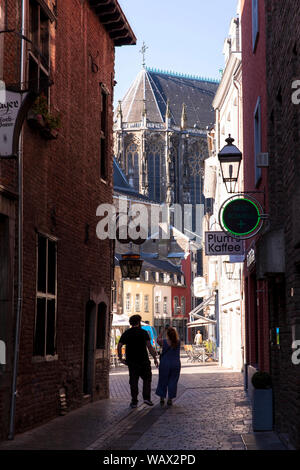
pixel 160 135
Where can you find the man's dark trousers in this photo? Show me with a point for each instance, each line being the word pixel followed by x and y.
pixel 136 371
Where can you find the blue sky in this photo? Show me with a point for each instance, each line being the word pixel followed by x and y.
pixel 183 36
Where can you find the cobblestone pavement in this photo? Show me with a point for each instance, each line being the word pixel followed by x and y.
pixel 211 412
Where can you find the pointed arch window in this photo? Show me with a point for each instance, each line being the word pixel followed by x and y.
pixel 155 172
pixel 132 166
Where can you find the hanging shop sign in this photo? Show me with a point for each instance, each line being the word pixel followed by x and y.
pixel 241 216
pixel 250 258
pixel 200 288
pixel 13 109
pixel 221 244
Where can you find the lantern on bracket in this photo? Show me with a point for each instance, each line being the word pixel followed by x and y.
pixel 230 158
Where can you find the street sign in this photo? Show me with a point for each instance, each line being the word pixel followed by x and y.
pixel 241 217
pixel 13 109
pixel 221 244
pixel 199 287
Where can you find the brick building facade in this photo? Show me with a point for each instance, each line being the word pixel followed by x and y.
pixel 67 271
pixel 271 36
pixel 255 178
pixel 283 68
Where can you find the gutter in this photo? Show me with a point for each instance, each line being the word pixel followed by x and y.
pixel 20 248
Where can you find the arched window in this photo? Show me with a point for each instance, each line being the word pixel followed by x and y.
pixel 132 166
pixel 101 326
pixel 183 305
pixel 154 172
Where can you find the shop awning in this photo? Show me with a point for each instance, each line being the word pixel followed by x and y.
pixel 196 319
pixel 200 322
pixel 200 307
pixel 120 320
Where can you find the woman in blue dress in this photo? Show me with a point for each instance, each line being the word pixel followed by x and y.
pixel 169 367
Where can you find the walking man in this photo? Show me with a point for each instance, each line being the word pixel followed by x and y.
pixel 137 342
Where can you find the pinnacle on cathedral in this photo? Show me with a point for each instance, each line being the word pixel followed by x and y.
pixel 160 134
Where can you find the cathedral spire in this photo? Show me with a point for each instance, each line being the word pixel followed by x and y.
pixel 143 52
pixel 120 115
pixel 183 117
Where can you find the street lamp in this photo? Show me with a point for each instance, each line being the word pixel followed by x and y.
pixel 131 265
pixel 230 270
pixel 230 159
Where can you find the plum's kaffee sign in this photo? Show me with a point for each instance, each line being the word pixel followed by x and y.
pixel 13 109
pixel 221 244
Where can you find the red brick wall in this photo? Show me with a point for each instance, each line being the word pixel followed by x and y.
pixel 283 67
pixel 254 86
pixel 62 189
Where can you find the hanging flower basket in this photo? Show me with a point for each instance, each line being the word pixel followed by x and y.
pixel 41 119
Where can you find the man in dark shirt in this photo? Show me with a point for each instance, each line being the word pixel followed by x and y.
pixel 137 342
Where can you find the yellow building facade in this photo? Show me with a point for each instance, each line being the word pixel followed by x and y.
pixel 138 300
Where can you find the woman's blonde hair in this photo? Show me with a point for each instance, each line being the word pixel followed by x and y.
pixel 173 337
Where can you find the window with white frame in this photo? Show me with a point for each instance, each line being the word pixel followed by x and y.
pixel 183 305
pixel 257 138
pixel 165 304
pixel 157 310
pixel 176 304
pixel 146 303
pixel 255 23
pixel 45 318
pixel 128 302
pixel 146 275
pixel 137 302
pixel 157 277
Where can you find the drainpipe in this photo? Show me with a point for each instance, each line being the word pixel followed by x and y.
pixel 20 247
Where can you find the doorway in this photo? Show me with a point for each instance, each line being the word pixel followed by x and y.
pixel 89 348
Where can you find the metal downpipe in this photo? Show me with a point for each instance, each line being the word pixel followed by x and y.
pixel 20 249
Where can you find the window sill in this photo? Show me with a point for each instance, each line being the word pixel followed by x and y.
pixel 37 359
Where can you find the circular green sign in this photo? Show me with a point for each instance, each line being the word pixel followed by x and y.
pixel 241 217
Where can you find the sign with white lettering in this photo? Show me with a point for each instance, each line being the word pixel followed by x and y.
pixel 9 110
pixel 250 258
pixel 199 287
pixel 221 244
pixel 13 111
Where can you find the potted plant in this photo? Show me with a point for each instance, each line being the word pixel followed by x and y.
pixel 40 118
pixel 262 413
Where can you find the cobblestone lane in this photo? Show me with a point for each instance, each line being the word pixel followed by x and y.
pixel 211 412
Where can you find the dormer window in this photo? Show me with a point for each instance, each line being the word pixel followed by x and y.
pixel 146 276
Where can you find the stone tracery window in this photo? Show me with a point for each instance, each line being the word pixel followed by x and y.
pixel 155 154
pixel 132 166
pixel 196 172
